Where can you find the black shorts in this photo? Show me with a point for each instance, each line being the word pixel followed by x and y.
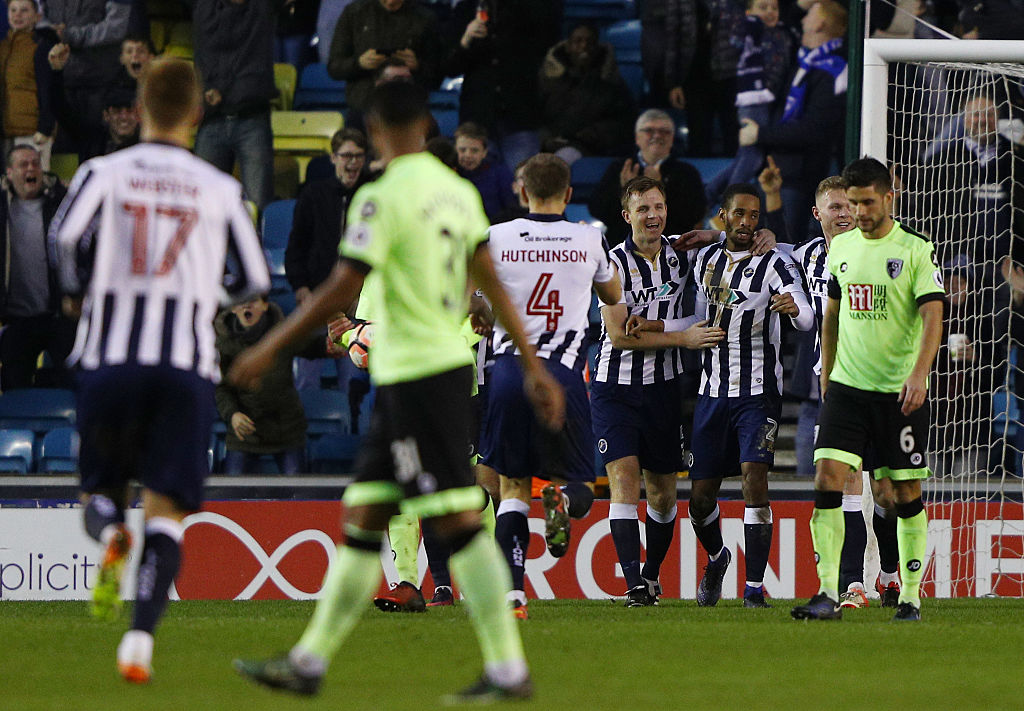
pixel 417 446
pixel 639 420
pixel 145 423
pixel 863 428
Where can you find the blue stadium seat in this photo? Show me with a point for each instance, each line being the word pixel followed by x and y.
pixel 599 11
pixel 37 409
pixel 633 74
pixel 59 452
pixel 578 213
pixel 327 412
pixel 586 174
pixel 624 36
pixel 284 299
pixel 447 121
pixel 276 224
pixel 708 167
pixel 444 100
pixel 317 90
pixel 334 454
pixel 16 450
pixel 275 262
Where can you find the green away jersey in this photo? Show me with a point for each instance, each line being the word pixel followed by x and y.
pixel 416 227
pixel 880 284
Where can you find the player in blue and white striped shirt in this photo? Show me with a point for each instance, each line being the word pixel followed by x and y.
pixel 741 386
pixel 142 243
pixel 550 267
pixel 635 398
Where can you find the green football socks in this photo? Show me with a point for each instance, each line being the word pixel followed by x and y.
pixel 351 581
pixel 912 536
pixel 828 528
pixel 483 578
pixel 404 534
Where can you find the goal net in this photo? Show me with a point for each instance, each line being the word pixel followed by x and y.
pixel 948 117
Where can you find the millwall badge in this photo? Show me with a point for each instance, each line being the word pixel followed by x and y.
pixel 894 267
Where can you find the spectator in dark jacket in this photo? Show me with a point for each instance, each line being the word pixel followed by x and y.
pixel 317 226
pixel 370 31
pixel 992 19
pixel 655 134
pixel 587 106
pixel 269 420
pixel 492 178
pixel 500 58
pixel 234 50
pixel 30 298
pixel 27 84
pixel 667 45
pixel 93 29
pixel 806 135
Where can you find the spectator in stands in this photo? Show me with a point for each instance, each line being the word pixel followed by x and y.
pixel 684 189
pixel 521 208
pixel 93 29
pixel 668 41
pixel 807 134
pixel 326 21
pixel 270 419
pixel 234 53
pixel 371 31
pixel 586 104
pixel 444 150
pixel 120 116
pixel 710 92
pixel 30 299
pixel 137 52
pixel 965 374
pixel 296 25
pixel 27 89
pixel 976 171
pixel 766 48
pixel 491 177
pixel 992 19
pixel 499 52
pixel 317 226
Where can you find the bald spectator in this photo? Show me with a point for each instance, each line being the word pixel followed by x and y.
pixel 684 190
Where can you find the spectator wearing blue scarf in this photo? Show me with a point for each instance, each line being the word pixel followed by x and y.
pixel 807 135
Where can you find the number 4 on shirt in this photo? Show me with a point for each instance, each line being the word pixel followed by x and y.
pixel 538 305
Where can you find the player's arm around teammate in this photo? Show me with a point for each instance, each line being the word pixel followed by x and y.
pixel 635 398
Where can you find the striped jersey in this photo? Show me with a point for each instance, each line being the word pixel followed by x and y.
pixel 811 256
pixel 734 291
pixel 154 239
pixel 653 289
pixel 548 266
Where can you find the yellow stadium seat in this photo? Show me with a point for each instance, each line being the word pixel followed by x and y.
pixel 158 32
pixel 64 165
pixel 304 134
pixel 179 41
pixel 285 79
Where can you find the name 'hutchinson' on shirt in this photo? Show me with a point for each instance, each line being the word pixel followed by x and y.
pixel 543 255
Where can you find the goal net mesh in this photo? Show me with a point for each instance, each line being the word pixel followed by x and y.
pixel 953 144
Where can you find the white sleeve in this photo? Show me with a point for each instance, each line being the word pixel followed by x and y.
pixel 73 229
pixel 246 274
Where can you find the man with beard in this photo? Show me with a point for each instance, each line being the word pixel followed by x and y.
pixel 741 387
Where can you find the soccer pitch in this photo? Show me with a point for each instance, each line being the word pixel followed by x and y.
pixel 965 654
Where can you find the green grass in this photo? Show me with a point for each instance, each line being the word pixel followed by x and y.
pixel 585 656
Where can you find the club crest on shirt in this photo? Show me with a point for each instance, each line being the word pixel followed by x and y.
pixel 748 272
pixel 368 210
pixel 893 267
pixel 673 261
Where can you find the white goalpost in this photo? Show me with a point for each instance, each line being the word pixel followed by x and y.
pixel 948 117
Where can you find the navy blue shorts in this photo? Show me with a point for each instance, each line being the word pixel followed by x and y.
pixel 517 446
pixel 642 421
pixel 730 430
pixel 150 424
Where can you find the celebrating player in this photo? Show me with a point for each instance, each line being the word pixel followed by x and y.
pixel 141 242
pixel 549 266
pixel 635 398
pixel 885 296
pixel 740 388
pixel 416 232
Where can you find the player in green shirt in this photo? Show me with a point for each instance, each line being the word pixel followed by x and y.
pixel 421 229
pixel 879 336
